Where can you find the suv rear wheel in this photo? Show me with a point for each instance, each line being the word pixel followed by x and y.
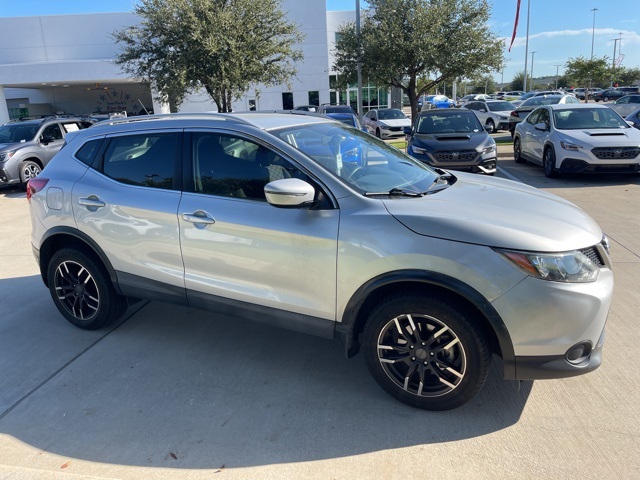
pixel 426 353
pixel 82 291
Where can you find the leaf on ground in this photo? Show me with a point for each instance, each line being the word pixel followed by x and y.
pixel 173 455
pixel 65 465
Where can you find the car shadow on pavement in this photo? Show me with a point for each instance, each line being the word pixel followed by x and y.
pixel 174 387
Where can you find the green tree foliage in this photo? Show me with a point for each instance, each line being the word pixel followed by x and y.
pixel 518 81
pixel 223 46
pixel 418 44
pixel 626 76
pixel 585 73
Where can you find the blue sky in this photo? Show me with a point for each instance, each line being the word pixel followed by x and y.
pixel 558 30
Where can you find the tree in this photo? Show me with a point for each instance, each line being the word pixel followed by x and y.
pixel 225 47
pixel 586 73
pixel 417 44
pixel 627 76
pixel 518 81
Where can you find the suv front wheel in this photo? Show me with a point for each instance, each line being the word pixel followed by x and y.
pixel 425 352
pixel 28 170
pixel 82 291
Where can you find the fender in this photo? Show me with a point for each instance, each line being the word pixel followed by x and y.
pixel 347 329
pixel 82 237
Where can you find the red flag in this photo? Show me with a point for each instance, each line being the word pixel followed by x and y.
pixel 515 25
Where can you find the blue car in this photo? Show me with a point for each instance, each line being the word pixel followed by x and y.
pixel 348 119
pixel 428 102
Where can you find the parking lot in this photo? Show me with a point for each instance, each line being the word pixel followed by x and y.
pixel 174 393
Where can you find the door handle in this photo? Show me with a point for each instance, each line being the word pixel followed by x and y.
pixel 91 201
pixel 198 217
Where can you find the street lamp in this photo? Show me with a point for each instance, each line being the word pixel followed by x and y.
pixel 359 62
pixel 532 55
pixel 593 29
pixel 557 70
pixel 613 61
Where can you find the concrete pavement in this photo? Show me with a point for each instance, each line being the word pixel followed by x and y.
pixel 174 393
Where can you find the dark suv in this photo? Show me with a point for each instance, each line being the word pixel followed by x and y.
pixel 26 146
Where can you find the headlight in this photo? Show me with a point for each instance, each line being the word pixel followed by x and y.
pixel 419 151
pixel 6 156
pixel 487 148
pixel 570 146
pixel 569 267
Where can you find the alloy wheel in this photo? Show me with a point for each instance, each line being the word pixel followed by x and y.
pixel 77 290
pixel 421 355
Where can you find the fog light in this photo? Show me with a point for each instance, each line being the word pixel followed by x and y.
pixel 578 353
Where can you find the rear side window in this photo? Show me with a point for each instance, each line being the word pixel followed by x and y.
pixel 87 152
pixel 147 160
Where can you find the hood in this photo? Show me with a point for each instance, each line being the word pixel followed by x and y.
pixel 397 122
pixel 451 141
pixel 8 146
pixel 498 213
pixel 606 137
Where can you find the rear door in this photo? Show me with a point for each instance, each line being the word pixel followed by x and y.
pixel 128 202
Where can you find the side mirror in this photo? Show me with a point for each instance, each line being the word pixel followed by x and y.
pixel 46 139
pixel 630 123
pixel 482 110
pixel 408 130
pixel 543 127
pixel 289 192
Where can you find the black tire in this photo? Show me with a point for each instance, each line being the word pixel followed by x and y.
pixel 605 99
pixel 517 151
pixel 378 133
pixel 491 126
pixel 549 163
pixel 28 170
pixel 438 365
pixel 82 291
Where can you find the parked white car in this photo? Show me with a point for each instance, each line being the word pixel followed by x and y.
pixel 493 114
pixel 386 122
pixel 577 138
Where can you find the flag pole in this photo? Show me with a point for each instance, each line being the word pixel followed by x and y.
pixel 526 49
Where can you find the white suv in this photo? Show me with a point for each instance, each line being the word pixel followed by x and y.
pixel 306 223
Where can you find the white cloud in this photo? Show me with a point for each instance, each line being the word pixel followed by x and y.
pixel 628 36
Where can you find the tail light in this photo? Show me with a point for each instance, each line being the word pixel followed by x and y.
pixel 515 114
pixel 35 185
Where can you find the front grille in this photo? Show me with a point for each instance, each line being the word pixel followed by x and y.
pixel 394 129
pixel 456 156
pixel 607 153
pixel 592 254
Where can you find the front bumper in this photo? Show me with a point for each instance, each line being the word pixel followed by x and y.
pixel 480 163
pixel 576 165
pixel 547 321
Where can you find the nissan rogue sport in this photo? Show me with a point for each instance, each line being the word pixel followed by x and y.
pixel 306 223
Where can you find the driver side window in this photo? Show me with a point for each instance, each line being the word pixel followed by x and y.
pixel 236 167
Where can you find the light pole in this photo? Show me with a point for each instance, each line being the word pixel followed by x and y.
pixel 532 55
pixel 613 61
pixel 557 70
pixel 359 64
pixel 526 48
pixel 593 29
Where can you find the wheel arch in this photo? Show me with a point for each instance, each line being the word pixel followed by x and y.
pixel 32 158
pixel 438 285
pixel 67 237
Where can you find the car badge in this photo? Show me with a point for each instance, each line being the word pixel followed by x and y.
pixel 617 152
pixel 455 154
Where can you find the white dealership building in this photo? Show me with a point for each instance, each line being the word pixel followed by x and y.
pixel 64 64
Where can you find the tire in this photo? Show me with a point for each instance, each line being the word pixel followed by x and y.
pixel 549 163
pixel 517 151
pixel 82 291
pixel 605 99
pixel 378 133
pixel 439 365
pixel 491 126
pixel 28 170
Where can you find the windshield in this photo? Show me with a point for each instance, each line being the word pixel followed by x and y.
pixel 338 109
pixel 18 133
pixel 364 162
pixel 458 122
pixel 391 114
pixel 500 106
pixel 579 119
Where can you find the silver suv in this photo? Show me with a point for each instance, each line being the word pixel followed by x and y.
pixel 26 146
pixel 305 223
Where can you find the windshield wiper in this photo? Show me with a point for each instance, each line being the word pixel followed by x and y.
pixel 396 192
